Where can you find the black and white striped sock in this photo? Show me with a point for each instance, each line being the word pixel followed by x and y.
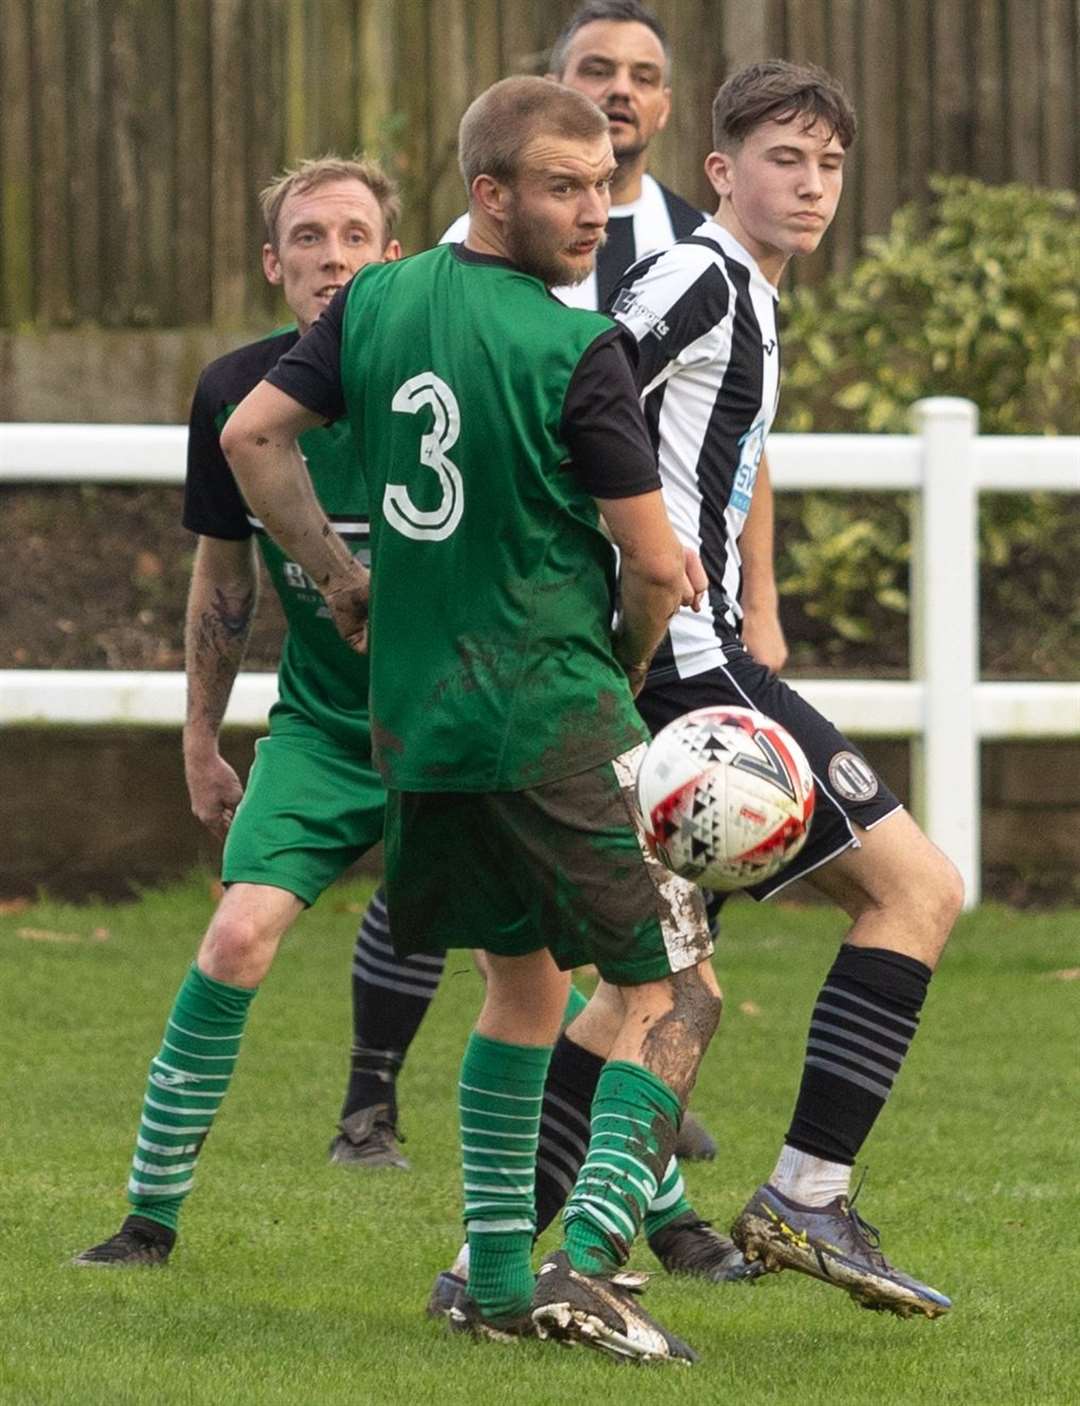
pixel 390 998
pixel 865 1018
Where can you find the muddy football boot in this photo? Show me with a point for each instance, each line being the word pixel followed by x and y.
pixel 689 1245
pixel 835 1244
pixel 138 1242
pixel 601 1311
pixel 368 1138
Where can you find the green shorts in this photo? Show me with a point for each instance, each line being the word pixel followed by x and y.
pixel 310 809
pixel 562 866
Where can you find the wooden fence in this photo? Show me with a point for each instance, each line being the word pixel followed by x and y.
pixel 134 133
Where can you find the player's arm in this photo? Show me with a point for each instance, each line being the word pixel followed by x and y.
pixel 220 609
pixel 260 443
pixel 652 577
pixel 761 630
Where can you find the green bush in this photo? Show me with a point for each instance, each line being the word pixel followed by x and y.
pixel 976 295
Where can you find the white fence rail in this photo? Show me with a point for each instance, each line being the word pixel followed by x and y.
pixel 944 709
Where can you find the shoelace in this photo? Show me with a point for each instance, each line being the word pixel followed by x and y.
pixel 866 1232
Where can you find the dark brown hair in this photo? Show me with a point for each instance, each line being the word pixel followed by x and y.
pixel 777 91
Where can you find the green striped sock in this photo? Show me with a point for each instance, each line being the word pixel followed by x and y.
pixel 669 1202
pixel 189 1076
pixel 634 1120
pixel 500 1097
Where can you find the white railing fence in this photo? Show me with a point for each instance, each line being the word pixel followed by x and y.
pixel 943 709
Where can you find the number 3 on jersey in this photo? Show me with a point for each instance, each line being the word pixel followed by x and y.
pixel 398 508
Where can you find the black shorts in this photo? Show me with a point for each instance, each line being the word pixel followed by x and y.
pixel 848 789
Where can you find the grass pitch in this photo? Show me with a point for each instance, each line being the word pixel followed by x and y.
pixel 295 1282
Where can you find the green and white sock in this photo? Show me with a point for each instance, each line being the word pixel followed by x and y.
pixel 500 1096
pixel 189 1076
pixel 669 1203
pixel 635 1116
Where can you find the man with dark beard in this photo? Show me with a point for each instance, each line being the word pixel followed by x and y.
pixel 495 426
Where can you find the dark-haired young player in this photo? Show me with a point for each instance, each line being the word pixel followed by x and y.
pixel 703 314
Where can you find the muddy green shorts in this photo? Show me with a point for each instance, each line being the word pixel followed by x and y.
pixel 561 866
pixel 310 809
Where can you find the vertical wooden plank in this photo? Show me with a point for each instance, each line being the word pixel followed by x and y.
pixel 52 218
pixel 266 143
pixel 448 54
pixel 952 86
pixel 120 270
pixel 806 22
pixel 376 66
pixel 1023 82
pixel 295 95
pixel 229 69
pixel 677 155
pixel 484 55
pixel 86 99
pixel 880 168
pixel 413 99
pixel 17 287
pixel 329 48
pixel 842 241
pixel 916 128
pixel 155 173
pixel 1059 138
pixel 191 139
pixel 523 46
pixel 747 36
pixel 990 140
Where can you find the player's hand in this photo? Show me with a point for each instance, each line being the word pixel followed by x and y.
pixel 764 639
pixel 695 582
pixel 348 606
pixel 215 792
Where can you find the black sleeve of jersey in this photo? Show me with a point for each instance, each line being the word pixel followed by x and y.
pixel 311 371
pixel 603 425
pixel 213 506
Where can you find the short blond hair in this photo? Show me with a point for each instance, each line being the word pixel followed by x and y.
pixel 503 120
pixel 317 171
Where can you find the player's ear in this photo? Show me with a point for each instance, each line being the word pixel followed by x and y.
pixel 392 252
pixel 271 265
pixel 665 111
pixel 491 196
pixel 719 167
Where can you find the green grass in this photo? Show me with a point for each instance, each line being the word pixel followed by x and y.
pixel 295 1282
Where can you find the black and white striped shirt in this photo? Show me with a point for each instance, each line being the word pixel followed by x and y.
pixel 704 316
pixel 652 222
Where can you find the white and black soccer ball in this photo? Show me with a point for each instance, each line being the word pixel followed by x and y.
pixel 727 796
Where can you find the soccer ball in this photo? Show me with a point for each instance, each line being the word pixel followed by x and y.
pixel 727 796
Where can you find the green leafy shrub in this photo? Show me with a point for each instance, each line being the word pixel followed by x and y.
pixel 978 295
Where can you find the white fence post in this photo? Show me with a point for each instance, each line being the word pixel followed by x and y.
pixel 944 641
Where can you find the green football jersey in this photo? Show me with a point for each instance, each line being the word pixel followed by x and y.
pixel 322 683
pixel 492 659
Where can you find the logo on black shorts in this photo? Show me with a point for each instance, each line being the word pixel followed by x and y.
pixel 852 778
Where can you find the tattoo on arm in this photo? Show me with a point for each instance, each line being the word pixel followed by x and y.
pixel 216 642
